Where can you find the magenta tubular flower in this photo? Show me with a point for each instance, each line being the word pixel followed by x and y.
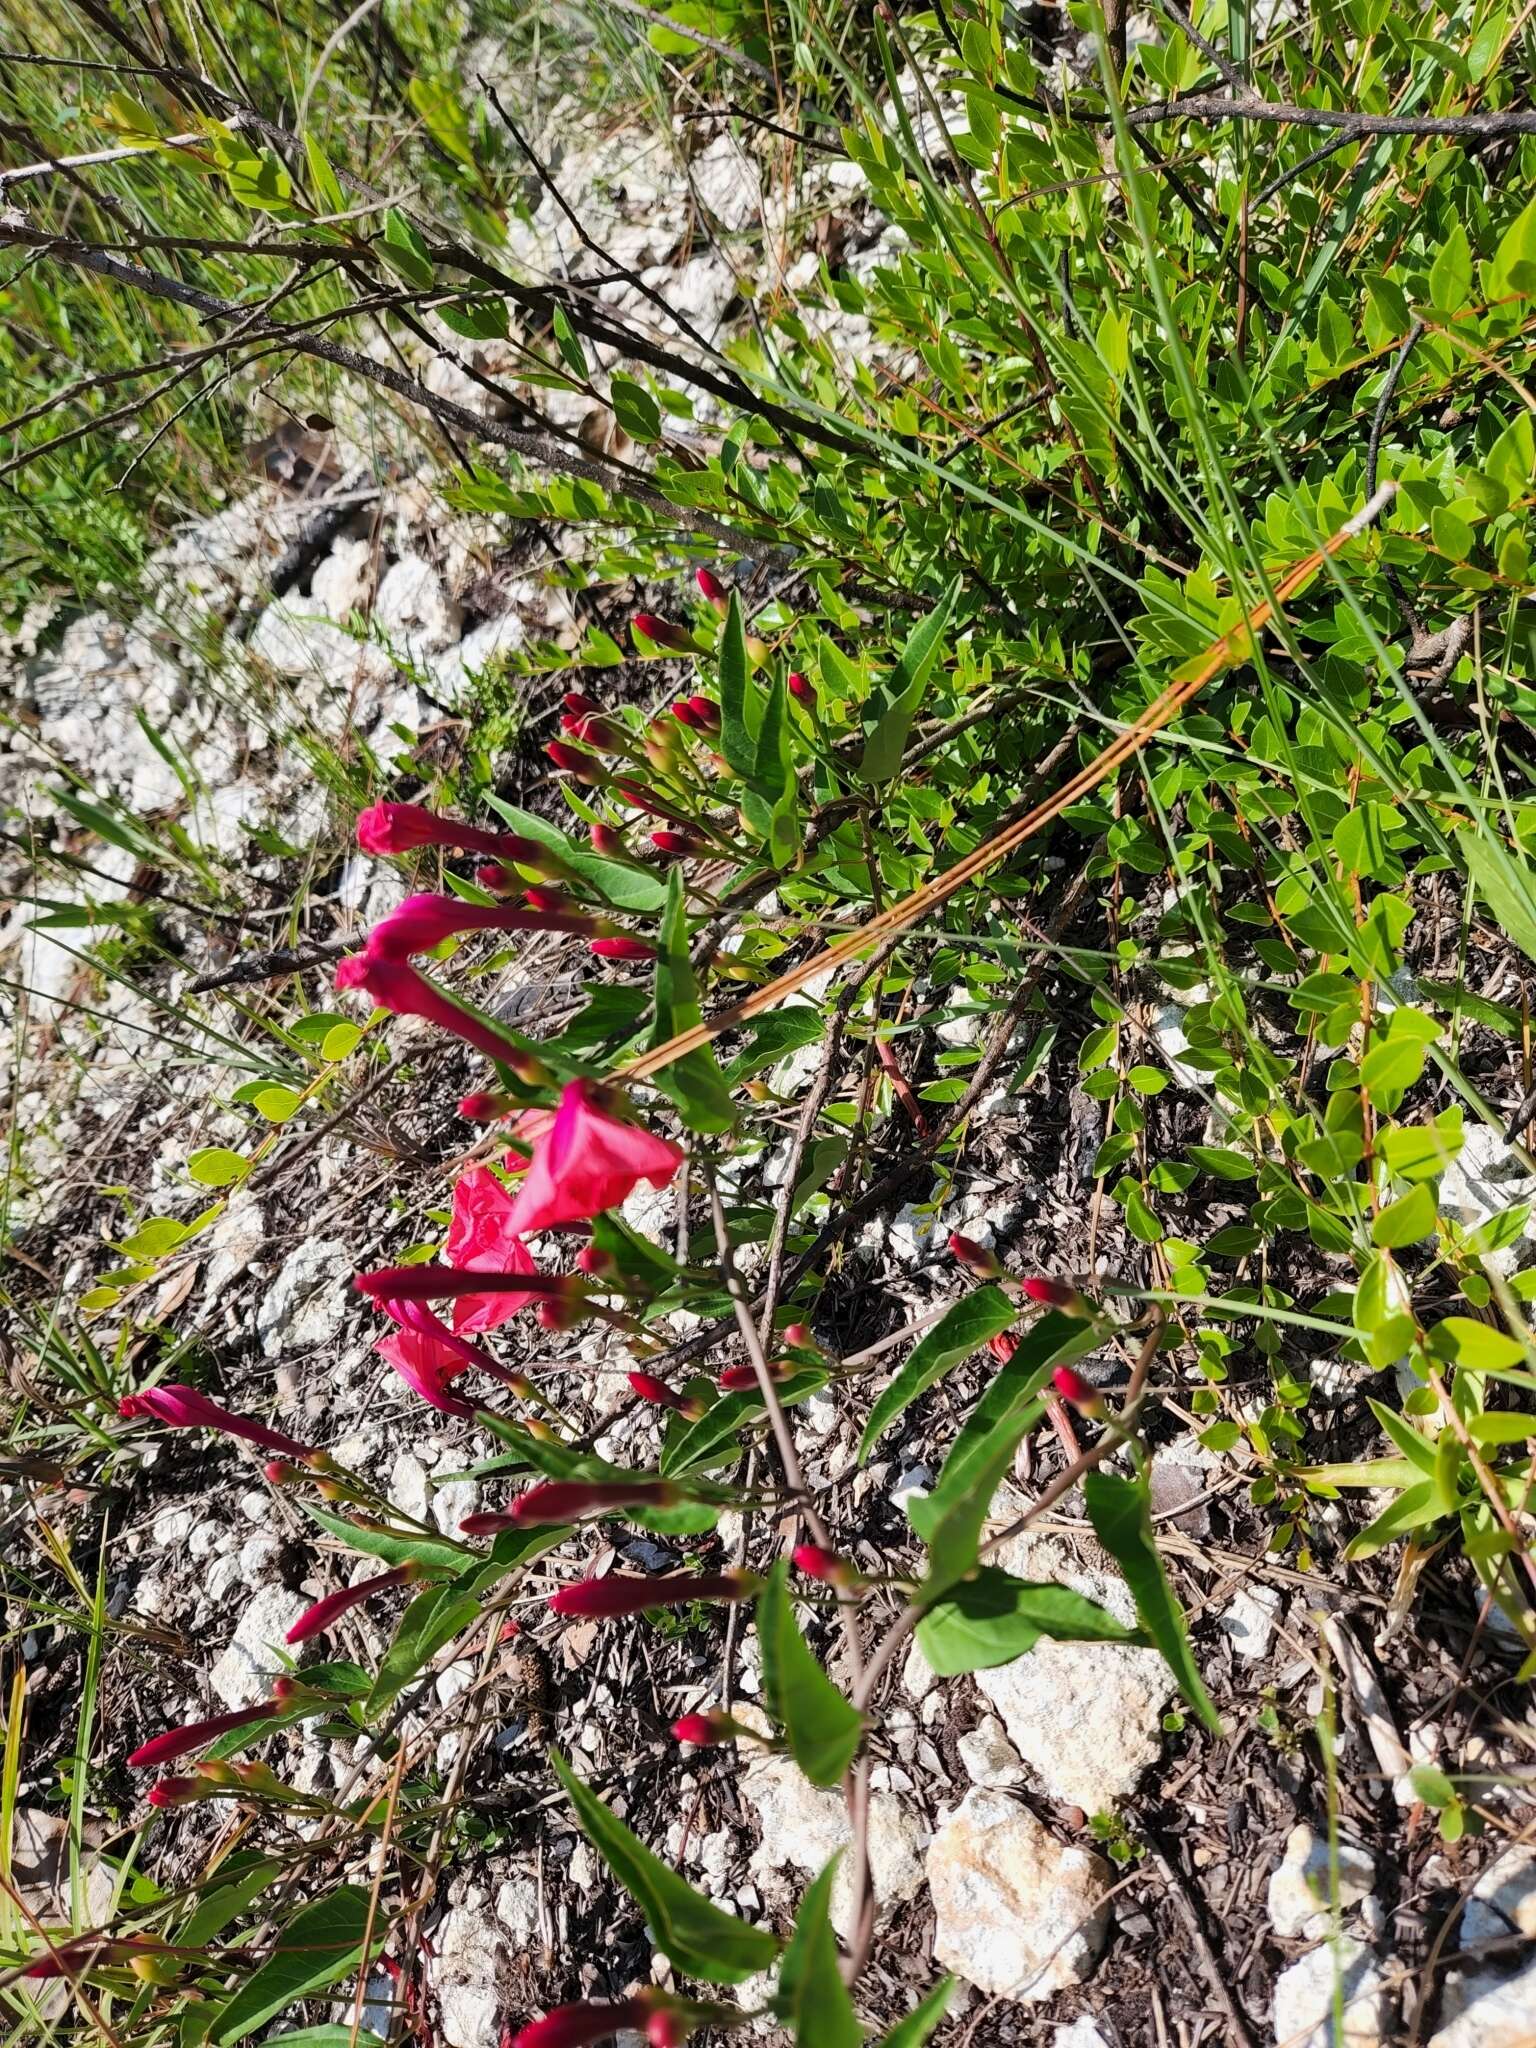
pixel 707 713
pixel 607 1599
pixel 576 761
pixel 619 947
pixel 396 986
pixel 185 1408
pixel 1074 1388
pixel 392 1284
pixel 975 1256
pixel 713 591
pixel 423 922
pixel 704 1731
pixel 175 1742
pixel 661 633
pixel 403 828
pixel 578 2026
pixel 315 1620
pixel 658 1393
pixel 803 691
pixel 481 1239
pixel 589 1160
pixel 1057 1294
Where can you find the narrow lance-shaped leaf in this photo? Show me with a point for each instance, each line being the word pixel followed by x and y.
pixel 694 1082
pixel 893 704
pixel 812 1998
pixel 320 1943
pixel 962 1329
pixel 992 1617
pixel 915 2029
pixel 821 1726
pixel 740 710
pixel 1118 1509
pixel 694 1935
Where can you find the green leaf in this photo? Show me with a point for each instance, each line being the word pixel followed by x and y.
pixel 993 1617
pixel 1504 882
pixel 1119 1511
pixel 893 703
pixel 1450 275
pixel 701 1443
pixel 694 1082
pixel 333 2035
pixel 1405 1222
pixel 951 1519
pixel 215 1166
pixel 694 1935
pixel 620 885
pixel 1475 1346
pixel 569 343
pixel 392 1546
pixel 216 1909
pixel 823 1729
pixel 635 409
pixel 1222 1161
pixel 1431 1785
pixel 962 1329
pixel 434 1617
pixel 1392 1065
pixel 324 182
pixel 1514 261
pixel 741 710
pixel 811 1997
pixel 914 2030
pixel 320 1943
pixel 1414 1508
pixel 404 250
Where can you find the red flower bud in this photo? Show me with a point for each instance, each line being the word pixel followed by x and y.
pixel 317 1619
pixel 175 1742
pixel 645 799
pixel 737 1379
pixel 621 947
pixel 803 691
pixel 578 2026
pixel 666 2030
pixel 599 1264
pixel 685 714
pixel 575 761
pixel 1057 1294
pixel 704 1731
pixel 712 590
pixel 276 1473
pixel 402 828
pixel 662 633
pixel 593 731
pixel 656 1391
pixel 577 702
pixel 486 1106
pixel 801 1337
pixel 682 845
pixel 606 840
pixel 556 1501
pixel 185 1408
pixel 554 1314
pixel 976 1256
pixel 706 713
pixel 555 901
pixel 1074 1388
pixel 825 1565
pixel 177 1791
pixel 1003 1345
pixel 607 1599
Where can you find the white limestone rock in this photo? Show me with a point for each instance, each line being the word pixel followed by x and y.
pixel 806 1825
pixel 304 1307
pixel 1301 1888
pixel 1249 1621
pixel 1304 1999
pixel 244 1674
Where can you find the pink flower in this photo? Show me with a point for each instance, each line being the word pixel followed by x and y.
pixel 1003 1345
pixel 175 1742
pixel 802 691
pixel 389 1285
pixel 185 1408
pixel 712 590
pixel 396 986
pixel 662 633
pixel 1058 1294
pixel 402 828
pixel 589 1160
pixel 975 1256
pixel 315 1620
pixel 606 1599
pixel 481 1240
pixel 423 922
pixel 577 2026
pixel 426 1364
pixel 622 948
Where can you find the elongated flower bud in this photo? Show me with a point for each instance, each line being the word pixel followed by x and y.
pixel 396 986
pixel 577 701
pixel 555 1501
pixel 826 1565
pixel 975 1256
pixel 447 1283
pixel 185 1408
pixel 658 1393
pixel 1057 1294
pixel 607 1599
pixel 579 2025
pixel 175 1742
pixel 1074 1388
pixel 802 690
pixel 179 1791
pixel 646 799
pixel 621 947
pixel 403 828
pixel 315 1620
pixel 801 1337
pixel 706 713
pixel 685 714
pixel 485 1106
pixel 608 841
pixel 550 902
pixel 593 730
pixel 712 590
pixel 705 1731
pixel 661 633
pixel 1002 1345
pixel 575 761
pixel 682 845
pixel 423 922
